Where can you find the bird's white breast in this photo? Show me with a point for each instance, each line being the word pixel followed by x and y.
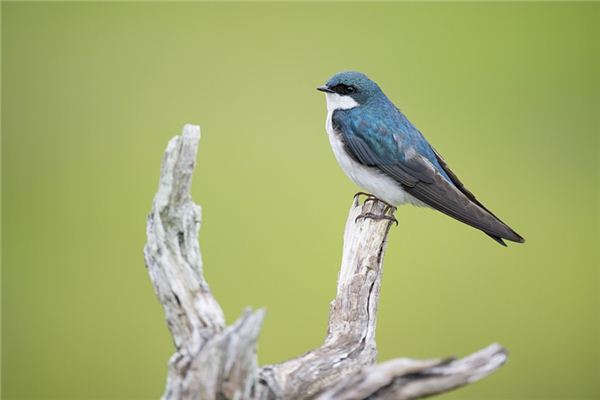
pixel 369 179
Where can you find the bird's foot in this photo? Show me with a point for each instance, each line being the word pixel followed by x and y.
pixel 371 197
pixel 377 217
pixel 374 216
pixel 368 195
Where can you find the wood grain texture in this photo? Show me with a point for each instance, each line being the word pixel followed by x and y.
pixel 213 361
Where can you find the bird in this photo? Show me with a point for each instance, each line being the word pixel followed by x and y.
pixel 382 152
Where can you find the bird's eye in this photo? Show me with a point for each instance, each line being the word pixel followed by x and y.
pixel 343 89
pixel 339 89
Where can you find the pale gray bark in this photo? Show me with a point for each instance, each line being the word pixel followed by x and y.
pixel 213 361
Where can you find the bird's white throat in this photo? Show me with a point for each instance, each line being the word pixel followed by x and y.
pixel 337 102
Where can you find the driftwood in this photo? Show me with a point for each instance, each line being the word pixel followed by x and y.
pixel 214 361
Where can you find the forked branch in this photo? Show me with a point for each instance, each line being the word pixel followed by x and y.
pixel 213 361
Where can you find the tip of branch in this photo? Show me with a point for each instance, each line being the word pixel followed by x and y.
pixel 177 167
pixel 477 365
pixel 191 131
pixel 407 379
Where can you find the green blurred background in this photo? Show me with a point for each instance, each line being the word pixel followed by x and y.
pixel 508 93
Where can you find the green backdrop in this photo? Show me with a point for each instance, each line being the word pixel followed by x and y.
pixel 508 93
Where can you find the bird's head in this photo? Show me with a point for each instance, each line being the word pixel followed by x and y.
pixel 349 89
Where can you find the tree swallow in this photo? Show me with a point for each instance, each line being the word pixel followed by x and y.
pixel 382 152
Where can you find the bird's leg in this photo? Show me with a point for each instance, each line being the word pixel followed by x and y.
pixel 377 217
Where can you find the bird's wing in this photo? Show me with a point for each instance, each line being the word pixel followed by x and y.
pixel 420 177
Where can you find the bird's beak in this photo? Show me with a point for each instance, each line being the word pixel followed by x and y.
pixel 324 89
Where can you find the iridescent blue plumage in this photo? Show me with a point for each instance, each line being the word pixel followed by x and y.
pixel 387 132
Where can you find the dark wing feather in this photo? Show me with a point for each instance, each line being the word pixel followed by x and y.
pixel 471 196
pixel 406 174
pixel 420 179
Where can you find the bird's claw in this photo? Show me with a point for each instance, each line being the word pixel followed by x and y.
pixel 377 217
pixel 368 195
pixel 371 197
pixel 374 216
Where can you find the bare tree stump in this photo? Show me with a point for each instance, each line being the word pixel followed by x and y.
pixel 213 361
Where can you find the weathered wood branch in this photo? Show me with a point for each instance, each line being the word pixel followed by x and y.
pixel 213 361
pixel 350 342
pixel 403 379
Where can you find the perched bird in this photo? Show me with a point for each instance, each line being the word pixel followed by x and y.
pixel 382 152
